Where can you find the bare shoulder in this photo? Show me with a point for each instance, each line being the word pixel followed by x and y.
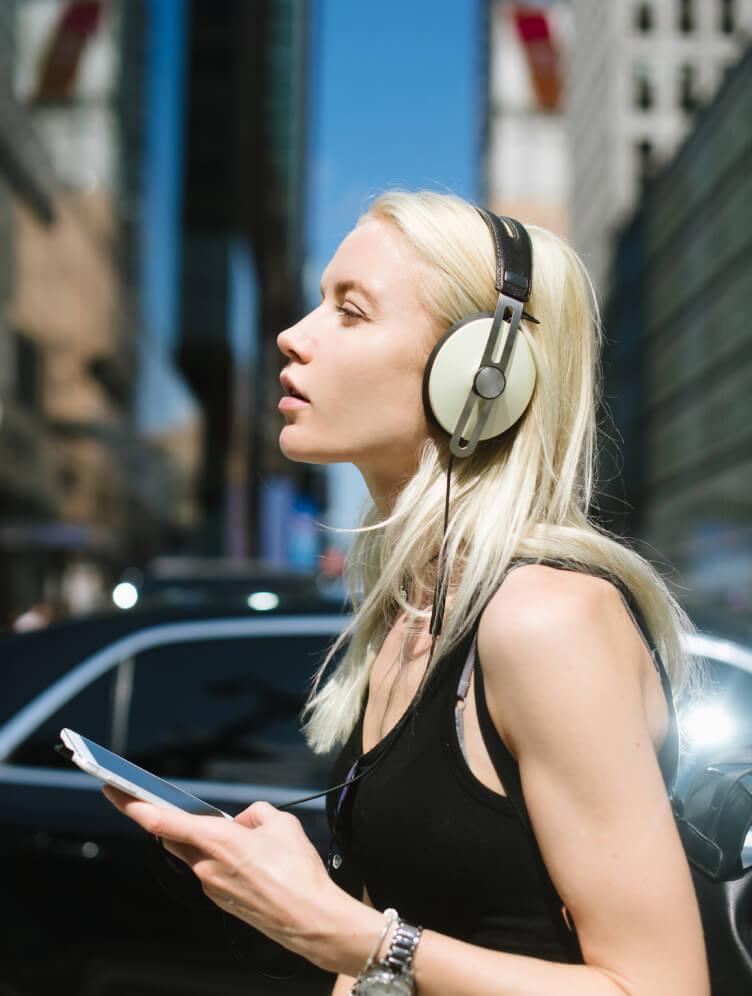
pixel 552 638
pixel 536 599
pixel 562 662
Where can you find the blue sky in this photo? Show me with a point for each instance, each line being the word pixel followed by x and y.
pixel 395 100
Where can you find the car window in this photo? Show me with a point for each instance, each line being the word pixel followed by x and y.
pixel 226 710
pixel 88 713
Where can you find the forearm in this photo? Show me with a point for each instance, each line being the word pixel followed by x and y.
pixel 444 966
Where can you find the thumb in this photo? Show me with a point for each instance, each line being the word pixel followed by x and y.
pixel 256 815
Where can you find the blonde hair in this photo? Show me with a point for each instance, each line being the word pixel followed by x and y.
pixel 526 494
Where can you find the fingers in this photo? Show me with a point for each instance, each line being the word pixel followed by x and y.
pixel 168 823
pixel 257 815
pixel 115 796
pixel 263 813
pixel 186 853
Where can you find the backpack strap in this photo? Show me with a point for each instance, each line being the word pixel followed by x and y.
pixel 715 816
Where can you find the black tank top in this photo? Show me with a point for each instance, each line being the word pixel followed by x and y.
pixel 425 836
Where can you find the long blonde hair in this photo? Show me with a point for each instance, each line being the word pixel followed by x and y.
pixel 526 494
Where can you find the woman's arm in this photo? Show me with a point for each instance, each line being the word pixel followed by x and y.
pixel 344 983
pixel 565 672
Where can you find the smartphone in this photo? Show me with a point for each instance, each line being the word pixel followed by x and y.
pixel 115 770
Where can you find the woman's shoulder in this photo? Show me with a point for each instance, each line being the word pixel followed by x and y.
pixel 536 598
pixel 544 617
pixel 558 637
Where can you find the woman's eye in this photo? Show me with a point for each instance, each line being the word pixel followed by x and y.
pixel 349 316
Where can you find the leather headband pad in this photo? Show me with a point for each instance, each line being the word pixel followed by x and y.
pixel 514 255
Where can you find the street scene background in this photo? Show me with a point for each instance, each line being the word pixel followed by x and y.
pixel 174 177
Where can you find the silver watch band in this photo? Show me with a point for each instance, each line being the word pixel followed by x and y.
pixel 399 957
pixel 394 973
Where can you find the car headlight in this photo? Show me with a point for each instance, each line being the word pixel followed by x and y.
pixel 125 595
pixel 263 601
pixel 707 724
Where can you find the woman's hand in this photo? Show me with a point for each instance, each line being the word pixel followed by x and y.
pixel 260 867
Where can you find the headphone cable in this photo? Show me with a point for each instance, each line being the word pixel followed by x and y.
pixel 437 619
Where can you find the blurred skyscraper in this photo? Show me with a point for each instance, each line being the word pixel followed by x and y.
pixel 241 258
pixel 638 72
pixel 83 493
pixel 526 153
pixel 151 206
pixel 679 355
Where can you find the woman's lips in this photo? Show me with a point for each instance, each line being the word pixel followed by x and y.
pixel 288 403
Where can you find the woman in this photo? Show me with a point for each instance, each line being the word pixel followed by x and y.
pixel 540 808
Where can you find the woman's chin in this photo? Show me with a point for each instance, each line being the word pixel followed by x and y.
pixel 295 449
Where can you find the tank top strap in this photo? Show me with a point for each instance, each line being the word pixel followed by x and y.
pixel 509 774
pixel 503 761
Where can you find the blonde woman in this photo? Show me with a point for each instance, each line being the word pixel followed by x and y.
pixel 505 733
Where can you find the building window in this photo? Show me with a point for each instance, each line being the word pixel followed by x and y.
pixel 727 16
pixel 69 479
pixel 686 16
pixel 28 372
pixel 643 90
pixel 644 17
pixel 645 156
pixel 688 98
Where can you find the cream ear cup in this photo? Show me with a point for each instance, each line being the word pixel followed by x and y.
pixel 451 369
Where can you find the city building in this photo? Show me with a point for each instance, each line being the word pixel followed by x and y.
pixel 83 492
pixel 679 356
pixel 526 156
pixel 241 257
pixel 638 72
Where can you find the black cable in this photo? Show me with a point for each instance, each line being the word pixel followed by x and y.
pixel 437 619
pixel 334 788
pixel 439 593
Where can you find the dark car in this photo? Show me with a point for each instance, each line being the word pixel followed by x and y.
pixel 207 699
pixel 198 582
pixel 718 719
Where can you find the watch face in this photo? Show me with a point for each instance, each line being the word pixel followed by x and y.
pixel 383 982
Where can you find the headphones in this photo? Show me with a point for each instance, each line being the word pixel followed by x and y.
pixel 480 375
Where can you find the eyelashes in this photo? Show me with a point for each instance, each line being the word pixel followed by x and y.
pixel 349 317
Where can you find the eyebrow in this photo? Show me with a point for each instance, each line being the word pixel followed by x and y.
pixel 343 286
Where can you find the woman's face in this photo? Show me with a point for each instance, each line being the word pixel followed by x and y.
pixel 358 362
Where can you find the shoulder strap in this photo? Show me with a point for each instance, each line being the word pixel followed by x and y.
pixel 509 773
pixel 671 745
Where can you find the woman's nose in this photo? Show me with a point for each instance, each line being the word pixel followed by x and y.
pixel 295 343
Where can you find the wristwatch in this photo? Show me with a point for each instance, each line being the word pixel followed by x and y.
pixel 393 975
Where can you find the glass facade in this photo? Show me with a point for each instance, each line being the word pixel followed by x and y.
pixel 83 491
pixel 685 410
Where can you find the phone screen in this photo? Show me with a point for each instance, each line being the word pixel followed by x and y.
pixel 151 783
